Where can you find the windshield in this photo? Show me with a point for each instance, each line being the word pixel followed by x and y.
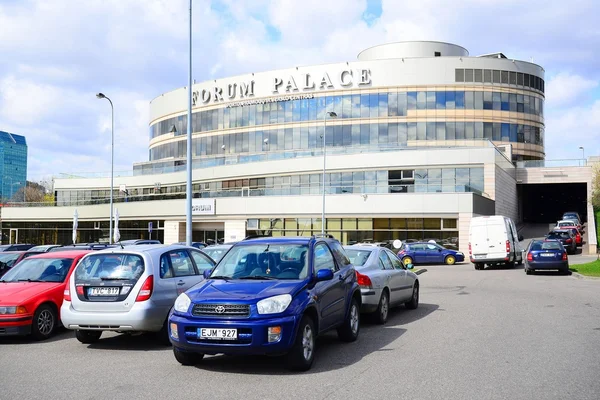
pixel 357 257
pixel 9 259
pixel 545 246
pixel 40 270
pixel 110 267
pixel 216 253
pixel 271 261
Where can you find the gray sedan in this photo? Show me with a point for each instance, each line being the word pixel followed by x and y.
pixel 384 280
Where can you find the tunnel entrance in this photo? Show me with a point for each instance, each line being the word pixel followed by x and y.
pixel 546 202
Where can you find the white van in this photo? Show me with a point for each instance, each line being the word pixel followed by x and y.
pixel 494 240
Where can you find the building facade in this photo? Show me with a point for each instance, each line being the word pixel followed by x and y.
pixel 13 164
pixel 420 137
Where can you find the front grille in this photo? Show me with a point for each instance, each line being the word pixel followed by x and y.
pixel 217 310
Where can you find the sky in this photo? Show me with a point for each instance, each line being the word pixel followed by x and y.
pixel 56 55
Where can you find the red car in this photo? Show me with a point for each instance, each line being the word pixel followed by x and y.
pixel 576 232
pixel 32 292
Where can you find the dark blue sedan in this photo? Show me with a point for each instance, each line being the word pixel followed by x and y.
pixel 269 296
pixel 428 253
pixel 546 255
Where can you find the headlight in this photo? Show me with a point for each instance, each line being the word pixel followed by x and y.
pixel 13 310
pixel 459 254
pixel 182 304
pixel 273 305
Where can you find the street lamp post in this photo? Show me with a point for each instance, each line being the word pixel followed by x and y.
pixel 582 154
pixel 112 163
pixel 188 197
pixel 330 114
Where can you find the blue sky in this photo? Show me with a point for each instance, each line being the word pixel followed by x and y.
pixel 56 55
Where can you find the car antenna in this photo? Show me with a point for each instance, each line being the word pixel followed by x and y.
pixel 121 244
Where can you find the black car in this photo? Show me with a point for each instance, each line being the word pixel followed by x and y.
pixel 546 254
pixel 16 247
pixel 565 237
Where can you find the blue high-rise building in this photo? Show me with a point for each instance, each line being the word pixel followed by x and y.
pixel 13 164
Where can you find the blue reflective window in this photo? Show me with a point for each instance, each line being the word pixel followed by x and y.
pixel 304 110
pixel 460 130
pixel 440 100
pixel 411 100
pixel 505 132
pixel 356 106
pixel 430 126
pixel 383 134
pixel 460 100
pixel 374 134
pixel 469 130
pixel 392 104
pixel 450 130
pixel 373 105
pixel 392 133
pixel 487 130
pixel 440 130
pixel 328 105
pixel 364 106
pixel 383 104
pixel 295 110
pixel 487 101
pixel 337 106
pixel 304 137
pixel 421 100
pixel 321 107
pixel 496 101
pixel 411 131
pixel 513 133
pixel 450 100
pixel 421 131
pixel 355 134
pixel 402 104
pixel 402 133
pixel 312 109
pixel 364 134
pixel 504 100
pixel 431 100
pixel 346 135
pixel 346 106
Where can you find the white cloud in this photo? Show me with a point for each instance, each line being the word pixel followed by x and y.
pixel 564 88
pixel 569 128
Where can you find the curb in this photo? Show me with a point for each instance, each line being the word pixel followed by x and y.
pixel 420 271
pixel 579 276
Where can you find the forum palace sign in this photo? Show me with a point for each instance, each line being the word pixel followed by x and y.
pixel 291 85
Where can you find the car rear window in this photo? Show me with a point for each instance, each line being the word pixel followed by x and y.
pixel 558 235
pixel 545 246
pixel 110 267
pixel 358 258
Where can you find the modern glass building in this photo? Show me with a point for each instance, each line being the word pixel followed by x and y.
pixel 13 164
pixel 420 137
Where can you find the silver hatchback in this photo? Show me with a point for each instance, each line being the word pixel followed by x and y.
pixel 130 289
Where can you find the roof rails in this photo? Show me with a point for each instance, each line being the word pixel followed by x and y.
pixel 325 235
pixel 256 237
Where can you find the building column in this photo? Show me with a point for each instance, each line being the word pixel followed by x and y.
pixel 174 232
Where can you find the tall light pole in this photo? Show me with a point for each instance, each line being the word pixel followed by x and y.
pixel 330 114
pixel 188 191
pixel 112 163
pixel 582 153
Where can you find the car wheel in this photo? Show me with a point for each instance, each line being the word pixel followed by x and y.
pixel 413 303
pixel 510 264
pixel 479 266
pixel 44 322
pixel 565 271
pixel 383 309
pixel 450 260
pixel 528 271
pixel 88 337
pixel 302 353
pixel 163 335
pixel 348 332
pixel 407 260
pixel 185 358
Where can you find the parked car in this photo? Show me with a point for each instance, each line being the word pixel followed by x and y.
pixel 568 222
pixel 84 246
pixel 384 280
pixel 44 248
pixel 8 259
pixel 576 234
pixel 494 240
pixel 428 253
pixel 15 247
pixel 546 254
pixel 564 236
pixel 31 294
pixel 136 242
pixel 198 245
pixel 216 252
pixel 269 296
pixel 130 289
pixel 572 215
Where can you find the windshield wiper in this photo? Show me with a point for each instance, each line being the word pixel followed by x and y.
pixel 225 278
pixel 259 277
pixel 29 280
pixel 115 279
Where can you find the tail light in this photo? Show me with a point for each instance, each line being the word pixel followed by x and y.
pixel 564 256
pixel 67 295
pixel 529 257
pixel 363 280
pixel 568 241
pixel 470 252
pixel 508 246
pixel 401 252
pixel 146 290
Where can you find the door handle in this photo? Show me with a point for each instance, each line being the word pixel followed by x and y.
pixel 180 283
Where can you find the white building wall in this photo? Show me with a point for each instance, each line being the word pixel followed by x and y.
pixel 235 230
pixel 506 195
pixel 174 232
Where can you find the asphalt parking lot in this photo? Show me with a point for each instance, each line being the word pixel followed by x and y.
pixel 492 334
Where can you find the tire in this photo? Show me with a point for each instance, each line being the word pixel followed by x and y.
pixel 566 271
pixel 383 309
pixel 88 337
pixel 162 336
pixel 44 322
pixel 350 328
pixel 407 260
pixel 528 271
pixel 413 303
pixel 479 266
pixel 520 261
pixel 185 358
pixel 302 353
pixel 450 260
pixel 510 264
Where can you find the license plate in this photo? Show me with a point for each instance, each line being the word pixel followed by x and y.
pixel 476 256
pixel 547 255
pixel 103 291
pixel 217 334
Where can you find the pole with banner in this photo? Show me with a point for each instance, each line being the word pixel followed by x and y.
pixel 75 223
pixel 116 233
pixel 150 230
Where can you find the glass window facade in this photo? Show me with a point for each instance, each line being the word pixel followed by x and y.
pixel 500 77
pixel 13 165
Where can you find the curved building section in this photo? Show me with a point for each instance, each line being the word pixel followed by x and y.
pixel 398 95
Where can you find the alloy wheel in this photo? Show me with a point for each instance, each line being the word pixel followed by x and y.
pixel 354 319
pixel 45 322
pixel 308 342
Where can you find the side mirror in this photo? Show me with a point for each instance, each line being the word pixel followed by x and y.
pixel 206 273
pixel 521 238
pixel 409 266
pixel 440 250
pixel 324 275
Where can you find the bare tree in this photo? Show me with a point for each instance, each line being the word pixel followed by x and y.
pixel 32 192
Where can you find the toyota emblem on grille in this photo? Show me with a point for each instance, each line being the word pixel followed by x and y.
pixel 219 309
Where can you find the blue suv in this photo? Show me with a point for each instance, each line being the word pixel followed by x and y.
pixel 269 296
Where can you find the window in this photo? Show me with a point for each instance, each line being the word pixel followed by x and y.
pixel 437 54
pixel 396 263
pixel 202 261
pixel 181 263
pixel 487 75
pixel 340 254
pixel 478 75
pixel 323 259
pixel 468 75
pixel 459 75
pixel 384 261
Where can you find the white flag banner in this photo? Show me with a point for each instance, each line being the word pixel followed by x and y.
pixel 75 222
pixel 116 233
